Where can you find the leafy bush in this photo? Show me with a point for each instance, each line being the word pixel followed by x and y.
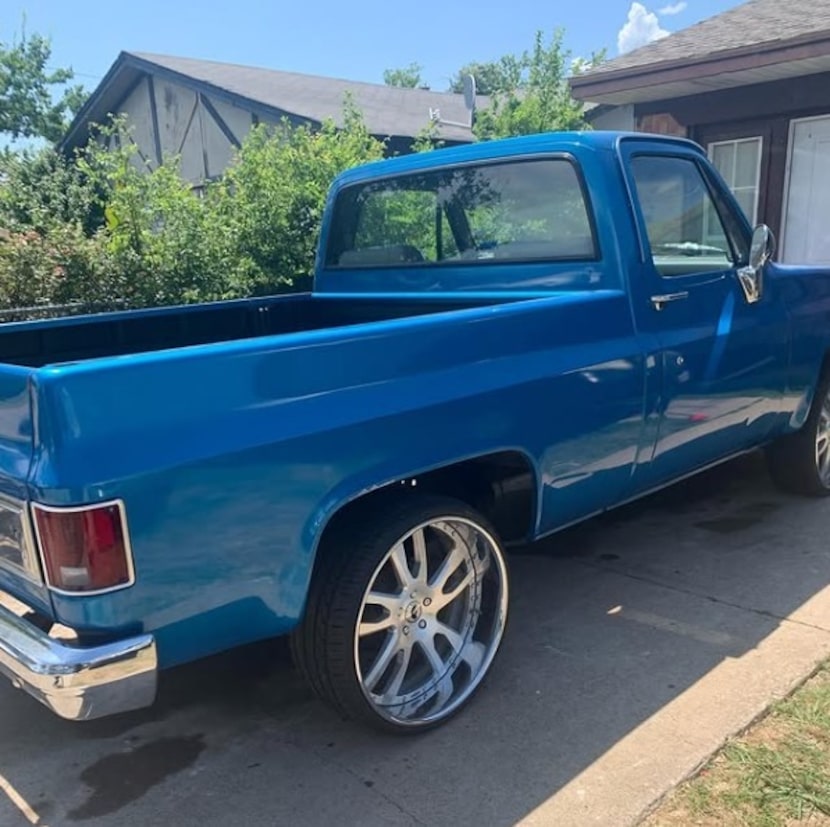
pixel 41 189
pixel 103 229
pixel 272 199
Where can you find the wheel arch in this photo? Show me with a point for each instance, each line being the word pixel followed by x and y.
pixel 503 485
pixel 801 412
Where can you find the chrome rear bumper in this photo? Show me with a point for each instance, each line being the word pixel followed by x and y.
pixel 76 682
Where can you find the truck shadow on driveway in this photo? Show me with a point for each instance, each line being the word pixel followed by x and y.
pixel 611 621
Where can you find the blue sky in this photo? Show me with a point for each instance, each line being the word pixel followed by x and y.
pixel 355 40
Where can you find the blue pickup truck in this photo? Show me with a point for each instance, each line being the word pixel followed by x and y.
pixel 503 339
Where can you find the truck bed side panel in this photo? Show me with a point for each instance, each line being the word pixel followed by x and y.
pixel 230 459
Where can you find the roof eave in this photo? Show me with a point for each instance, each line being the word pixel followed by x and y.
pixel 79 125
pixel 606 86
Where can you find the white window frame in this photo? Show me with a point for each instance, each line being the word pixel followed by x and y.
pixel 785 201
pixel 734 142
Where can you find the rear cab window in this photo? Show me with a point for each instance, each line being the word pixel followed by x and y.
pixel 496 212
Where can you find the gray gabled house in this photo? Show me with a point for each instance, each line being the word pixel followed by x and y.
pixel 202 110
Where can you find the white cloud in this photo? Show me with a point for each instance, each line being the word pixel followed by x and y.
pixel 673 8
pixel 641 27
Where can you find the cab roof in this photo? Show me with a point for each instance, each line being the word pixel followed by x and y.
pixel 575 142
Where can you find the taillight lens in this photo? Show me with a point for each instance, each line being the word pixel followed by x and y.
pixel 84 550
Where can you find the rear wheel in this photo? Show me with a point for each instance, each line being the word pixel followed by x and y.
pixel 800 462
pixel 406 614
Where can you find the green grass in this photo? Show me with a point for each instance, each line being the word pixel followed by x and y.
pixel 777 773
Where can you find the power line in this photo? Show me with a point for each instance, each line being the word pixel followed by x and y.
pixel 75 74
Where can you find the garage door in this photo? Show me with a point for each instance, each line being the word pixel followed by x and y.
pixel 807 218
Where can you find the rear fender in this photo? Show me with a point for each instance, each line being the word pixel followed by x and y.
pixel 352 490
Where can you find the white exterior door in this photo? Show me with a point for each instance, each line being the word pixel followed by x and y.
pixel 807 219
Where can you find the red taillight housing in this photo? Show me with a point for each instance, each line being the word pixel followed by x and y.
pixel 84 549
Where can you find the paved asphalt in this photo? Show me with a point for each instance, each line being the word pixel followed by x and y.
pixel 617 625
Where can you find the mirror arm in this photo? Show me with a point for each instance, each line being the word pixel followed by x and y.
pixel 750 280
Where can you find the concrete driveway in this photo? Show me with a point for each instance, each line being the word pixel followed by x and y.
pixel 637 643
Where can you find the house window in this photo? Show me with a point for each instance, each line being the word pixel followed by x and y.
pixel 739 162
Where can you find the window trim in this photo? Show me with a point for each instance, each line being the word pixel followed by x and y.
pixel 785 200
pixel 753 219
pixel 480 163
pixel 730 214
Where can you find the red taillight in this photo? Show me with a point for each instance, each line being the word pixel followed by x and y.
pixel 84 550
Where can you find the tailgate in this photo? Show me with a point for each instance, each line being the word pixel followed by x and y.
pixel 19 567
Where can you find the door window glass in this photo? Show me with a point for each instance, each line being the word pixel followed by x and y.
pixel 685 231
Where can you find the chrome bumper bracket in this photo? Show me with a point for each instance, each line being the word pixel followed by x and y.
pixel 78 682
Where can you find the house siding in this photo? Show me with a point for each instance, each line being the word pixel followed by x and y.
pixel 136 106
pixel 167 119
pixel 615 118
pixel 661 123
pixel 764 110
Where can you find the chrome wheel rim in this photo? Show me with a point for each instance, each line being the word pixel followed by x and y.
pixel 823 442
pixel 431 621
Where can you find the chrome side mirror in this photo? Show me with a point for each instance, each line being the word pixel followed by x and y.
pixel 761 249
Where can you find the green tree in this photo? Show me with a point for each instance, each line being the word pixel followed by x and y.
pixel 534 95
pixel 35 101
pixel 41 188
pixel 273 197
pixel 427 139
pixel 407 77
pixel 497 76
pixel 104 229
pixel 582 64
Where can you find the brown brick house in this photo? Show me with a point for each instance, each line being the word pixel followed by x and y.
pixel 751 85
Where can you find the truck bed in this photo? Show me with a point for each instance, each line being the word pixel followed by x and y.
pixel 81 338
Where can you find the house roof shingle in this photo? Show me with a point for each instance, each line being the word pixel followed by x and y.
pixel 753 24
pixel 757 42
pixel 386 110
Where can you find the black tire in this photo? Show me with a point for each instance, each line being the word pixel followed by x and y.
pixel 793 459
pixel 351 559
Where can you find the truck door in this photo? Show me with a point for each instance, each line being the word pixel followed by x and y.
pixel 723 358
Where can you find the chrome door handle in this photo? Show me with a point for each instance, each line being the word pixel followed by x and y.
pixel 659 301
